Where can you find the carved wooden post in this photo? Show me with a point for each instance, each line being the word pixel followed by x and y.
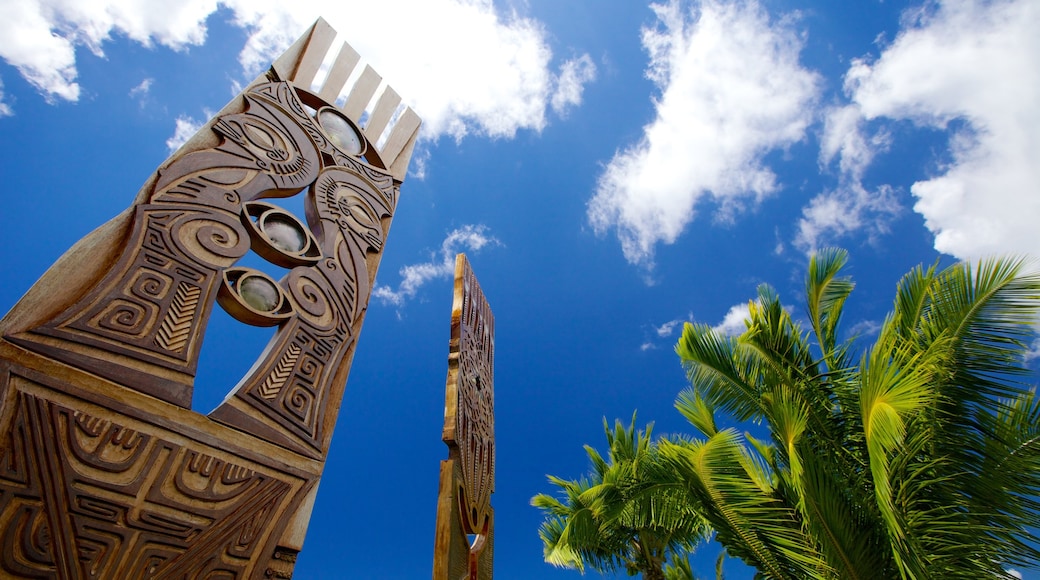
pixel 465 536
pixel 105 472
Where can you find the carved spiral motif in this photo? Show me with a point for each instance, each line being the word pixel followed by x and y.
pixel 312 295
pixel 150 285
pixel 126 317
pixel 299 403
pixel 214 239
pixel 309 369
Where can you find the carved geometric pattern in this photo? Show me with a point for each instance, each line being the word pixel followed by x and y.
pixel 104 470
pixel 475 423
pixel 468 477
pixel 176 327
pixel 281 373
pixel 93 498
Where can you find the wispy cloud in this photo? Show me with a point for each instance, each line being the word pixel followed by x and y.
pixel 658 335
pixel 1034 351
pixel 185 128
pixel 574 75
pixel 969 67
pixel 850 208
pixel 732 90
pixel 440 265
pixel 5 109
pixel 505 83
pixel 865 328
pixel 141 90
pixel 666 329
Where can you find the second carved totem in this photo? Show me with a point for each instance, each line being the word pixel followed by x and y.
pixel 465 535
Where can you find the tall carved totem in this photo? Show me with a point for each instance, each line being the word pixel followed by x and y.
pixel 105 471
pixel 465 536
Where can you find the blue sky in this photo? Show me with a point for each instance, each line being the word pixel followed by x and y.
pixel 611 168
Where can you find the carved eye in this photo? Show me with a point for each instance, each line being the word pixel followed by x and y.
pixel 343 133
pixel 253 297
pixel 278 236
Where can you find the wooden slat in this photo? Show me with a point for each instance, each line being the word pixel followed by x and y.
pixel 344 64
pixel 361 94
pixel 285 66
pixel 407 124
pixel 381 115
pixel 317 47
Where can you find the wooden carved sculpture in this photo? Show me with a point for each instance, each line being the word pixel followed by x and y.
pixel 464 544
pixel 105 472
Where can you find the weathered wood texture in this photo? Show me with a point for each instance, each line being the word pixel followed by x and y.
pixel 464 541
pixel 105 472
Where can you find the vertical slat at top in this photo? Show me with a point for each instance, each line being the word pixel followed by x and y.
pixel 318 45
pixel 300 65
pixel 344 64
pixel 382 114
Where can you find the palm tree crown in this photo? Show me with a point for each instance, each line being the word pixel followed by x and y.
pixel 921 460
pixel 628 513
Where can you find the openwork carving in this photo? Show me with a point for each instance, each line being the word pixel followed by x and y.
pixel 465 518
pixel 104 470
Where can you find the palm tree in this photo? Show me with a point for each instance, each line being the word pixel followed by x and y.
pixel 628 513
pixel 921 460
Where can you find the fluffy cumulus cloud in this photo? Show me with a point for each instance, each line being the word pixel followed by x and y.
pixel 731 91
pixel 440 265
pixel 733 322
pixel 40 37
pixel 464 65
pixel 971 67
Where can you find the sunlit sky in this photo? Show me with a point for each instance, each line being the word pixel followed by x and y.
pixel 612 169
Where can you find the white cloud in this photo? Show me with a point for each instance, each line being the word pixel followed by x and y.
pixel 5 109
pixel 850 208
pixel 141 90
pixel 733 323
pixel 732 90
pixel 865 328
pixel 185 128
pixel 977 63
pixel 668 328
pixel 574 75
pixel 843 133
pixel 464 65
pixel 1033 352
pixel 441 264
pixel 40 37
